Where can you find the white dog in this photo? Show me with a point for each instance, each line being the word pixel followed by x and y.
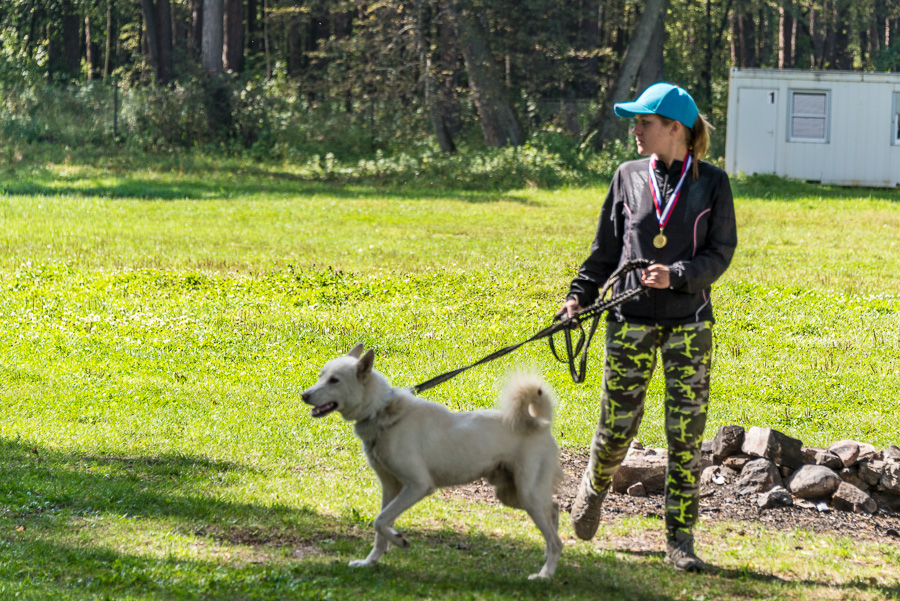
pixel 416 446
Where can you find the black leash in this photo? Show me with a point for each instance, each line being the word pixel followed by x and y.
pixel 566 325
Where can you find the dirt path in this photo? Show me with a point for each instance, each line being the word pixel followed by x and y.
pixel 721 505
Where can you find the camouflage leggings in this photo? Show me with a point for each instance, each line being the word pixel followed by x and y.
pixel 630 359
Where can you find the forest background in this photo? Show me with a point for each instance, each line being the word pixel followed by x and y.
pixel 399 88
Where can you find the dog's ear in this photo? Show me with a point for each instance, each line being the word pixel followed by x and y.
pixel 364 367
pixel 356 351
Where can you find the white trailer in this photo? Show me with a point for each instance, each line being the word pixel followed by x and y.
pixel 833 127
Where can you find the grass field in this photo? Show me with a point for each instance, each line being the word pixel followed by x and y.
pixel 158 323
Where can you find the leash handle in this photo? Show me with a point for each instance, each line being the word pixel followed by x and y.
pixel 594 312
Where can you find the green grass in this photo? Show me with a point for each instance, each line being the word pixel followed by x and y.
pixel 159 321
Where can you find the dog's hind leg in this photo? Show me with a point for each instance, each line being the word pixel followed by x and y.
pixel 390 487
pixel 541 514
pixel 536 496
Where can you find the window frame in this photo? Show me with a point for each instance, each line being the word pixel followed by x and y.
pixel 827 116
pixel 895 120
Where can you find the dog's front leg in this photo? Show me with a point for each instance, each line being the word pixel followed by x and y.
pixel 409 495
pixel 390 488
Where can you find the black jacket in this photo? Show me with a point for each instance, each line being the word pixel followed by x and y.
pixel 701 233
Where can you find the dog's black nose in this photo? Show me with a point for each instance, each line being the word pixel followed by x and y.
pixel 305 396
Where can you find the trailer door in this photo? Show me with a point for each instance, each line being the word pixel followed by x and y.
pixel 756 120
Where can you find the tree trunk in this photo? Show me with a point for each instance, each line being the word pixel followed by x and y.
pixel 234 35
pixel 266 40
pixel 158 25
pixel 110 48
pixel 213 35
pixel 589 39
pixel 652 68
pixel 148 10
pixel 294 48
pixel 196 34
pixel 604 122
pixel 164 41
pixel 785 35
pixel 817 60
pixel 254 42
pixel 64 43
pixel 89 57
pixel 432 90
pixel 843 59
pixel 499 122
pixel 743 43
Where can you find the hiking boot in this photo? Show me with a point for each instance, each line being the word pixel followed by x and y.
pixel 586 509
pixel 680 553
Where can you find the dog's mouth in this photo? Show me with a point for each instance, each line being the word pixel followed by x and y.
pixel 324 409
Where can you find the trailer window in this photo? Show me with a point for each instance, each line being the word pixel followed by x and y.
pixel 809 116
pixel 895 130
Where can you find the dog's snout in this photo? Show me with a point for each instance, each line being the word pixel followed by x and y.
pixel 305 396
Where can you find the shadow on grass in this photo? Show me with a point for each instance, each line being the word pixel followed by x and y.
pixel 60 510
pixel 748 575
pixel 775 188
pixel 248 181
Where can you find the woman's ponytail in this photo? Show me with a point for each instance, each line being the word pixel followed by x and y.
pixel 698 142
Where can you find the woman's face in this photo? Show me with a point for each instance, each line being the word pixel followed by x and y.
pixel 652 135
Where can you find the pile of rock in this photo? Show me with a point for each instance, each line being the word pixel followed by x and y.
pixel 772 469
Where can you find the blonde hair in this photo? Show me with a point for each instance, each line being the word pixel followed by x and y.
pixel 697 140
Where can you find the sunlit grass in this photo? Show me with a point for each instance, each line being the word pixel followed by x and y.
pixel 159 322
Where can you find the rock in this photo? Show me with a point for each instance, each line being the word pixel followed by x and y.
pixel 727 442
pixel 706 454
pixel 824 457
pixel 887 502
pixel 737 462
pixel 716 475
pixel 774 446
pixel 813 482
pixel 850 498
pixel 850 475
pixel 892 452
pixel 636 490
pixel 867 451
pixel 757 476
pixel 777 497
pixel 847 450
pixel 785 471
pixel 647 466
pixel 890 478
pixel 870 471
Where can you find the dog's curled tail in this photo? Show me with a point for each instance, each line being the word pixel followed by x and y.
pixel 527 403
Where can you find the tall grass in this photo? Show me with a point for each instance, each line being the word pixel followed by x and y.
pixel 158 324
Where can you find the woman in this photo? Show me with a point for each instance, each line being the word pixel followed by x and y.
pixel 678 212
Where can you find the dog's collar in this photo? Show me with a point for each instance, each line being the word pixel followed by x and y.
pixel 382 416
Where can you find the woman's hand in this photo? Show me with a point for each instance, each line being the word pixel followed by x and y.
pixel 569 309
pixel 655 276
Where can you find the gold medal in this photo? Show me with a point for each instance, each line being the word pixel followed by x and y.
pixel 659 240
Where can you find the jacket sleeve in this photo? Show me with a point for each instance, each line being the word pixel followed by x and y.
pixel 606 250
pixel 715 254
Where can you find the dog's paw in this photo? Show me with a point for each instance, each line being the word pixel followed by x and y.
pixel 359 563
pixel 402 542
pixel 540 576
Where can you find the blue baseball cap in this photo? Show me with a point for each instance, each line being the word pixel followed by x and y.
pixel 662 99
